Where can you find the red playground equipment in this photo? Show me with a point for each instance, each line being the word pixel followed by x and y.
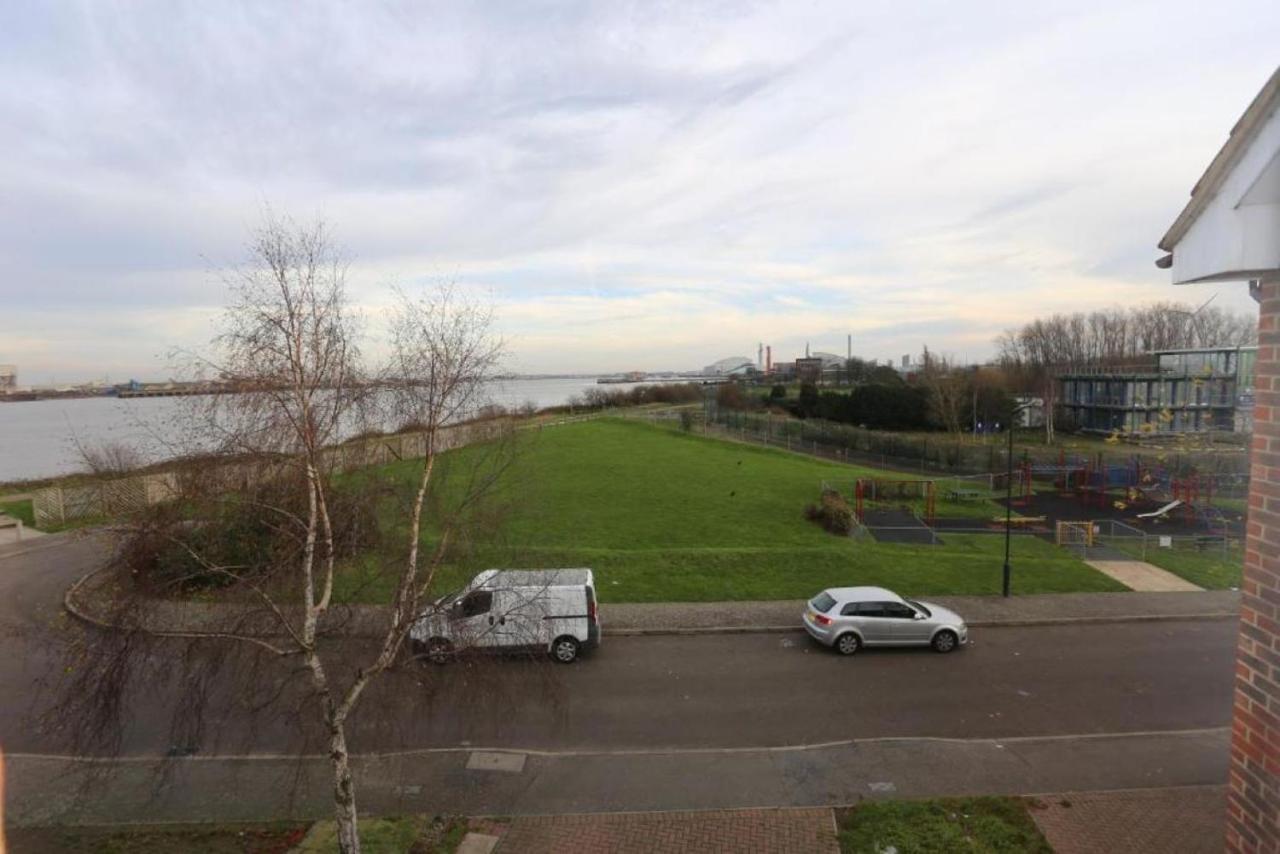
pixel 1189 491
pixel 874 489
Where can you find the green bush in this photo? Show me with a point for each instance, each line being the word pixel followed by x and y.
pixel 211 544
pixel 832 512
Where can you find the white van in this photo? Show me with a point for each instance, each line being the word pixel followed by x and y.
pixel 505 610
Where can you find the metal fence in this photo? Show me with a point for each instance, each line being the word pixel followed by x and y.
pixel 942 452
pixel 101 497
pixel 1141 545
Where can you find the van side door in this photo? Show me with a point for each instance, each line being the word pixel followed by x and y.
pixel 519 616
pixel 472 621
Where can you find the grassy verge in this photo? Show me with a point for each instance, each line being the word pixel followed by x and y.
pixel 1232 505
pixel 1209 568
pixel 968 564
pixel 667 516
pixel 979 825
pixel 273 838
pixel 24 510
pixel 400 835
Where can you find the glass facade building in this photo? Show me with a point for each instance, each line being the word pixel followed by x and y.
pixel 1182 391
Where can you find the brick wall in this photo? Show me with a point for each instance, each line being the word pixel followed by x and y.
pixel 1253 813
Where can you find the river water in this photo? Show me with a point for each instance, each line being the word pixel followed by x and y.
pixel 43 438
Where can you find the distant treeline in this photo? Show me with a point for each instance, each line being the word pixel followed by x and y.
pixel 604 397
pixel 878 406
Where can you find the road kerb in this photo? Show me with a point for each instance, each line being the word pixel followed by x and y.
pixel 1020 622
pixel 74 609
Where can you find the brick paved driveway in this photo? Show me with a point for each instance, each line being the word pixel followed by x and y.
pixel 1187 820
pixel 760 831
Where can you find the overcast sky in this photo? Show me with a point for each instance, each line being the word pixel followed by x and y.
pixel 636 186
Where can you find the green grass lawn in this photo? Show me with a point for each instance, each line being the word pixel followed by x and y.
pixel 667 516
pixel 944 825
pixel 1209 568
pixel 23 510
pixel 1232 505
pixel 396 835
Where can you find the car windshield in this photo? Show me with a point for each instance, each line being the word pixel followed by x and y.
pixel 822 602
pixel 922 609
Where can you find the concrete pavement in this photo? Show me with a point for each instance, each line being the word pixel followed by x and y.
pixel 13 531
pixel 979 611
pixel 52 790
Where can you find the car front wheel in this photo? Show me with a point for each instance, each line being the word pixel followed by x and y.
pixel 847 644
pixel 945 641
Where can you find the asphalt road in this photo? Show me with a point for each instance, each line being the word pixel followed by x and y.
pixel 724 691
pixel 674 722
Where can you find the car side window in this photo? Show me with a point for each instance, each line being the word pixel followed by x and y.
pixel 871 609
pixel 849 609
pixel 475 604
pixel 898 610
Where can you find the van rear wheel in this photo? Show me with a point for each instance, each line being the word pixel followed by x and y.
pixel 565 649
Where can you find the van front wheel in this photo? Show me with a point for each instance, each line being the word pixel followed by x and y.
pixel 439 651
pixel 565 649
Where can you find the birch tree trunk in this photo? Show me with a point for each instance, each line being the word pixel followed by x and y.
pixel 344 790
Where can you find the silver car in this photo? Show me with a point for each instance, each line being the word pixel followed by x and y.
pixel 849 618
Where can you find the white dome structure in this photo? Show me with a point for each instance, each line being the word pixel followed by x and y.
pixel 733 364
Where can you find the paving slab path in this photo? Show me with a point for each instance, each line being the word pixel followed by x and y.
pixel 1142 576
pixel 13 531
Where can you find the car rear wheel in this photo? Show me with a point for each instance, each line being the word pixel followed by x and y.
pixel 565 650
pixel 945 641
pixel 847 644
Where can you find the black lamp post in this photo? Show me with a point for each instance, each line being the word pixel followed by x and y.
pixel 1008 500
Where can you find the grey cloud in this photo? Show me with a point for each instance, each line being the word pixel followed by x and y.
pixel 606 149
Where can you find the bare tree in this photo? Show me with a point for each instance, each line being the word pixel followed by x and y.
pixel 948 390
pixel 273 514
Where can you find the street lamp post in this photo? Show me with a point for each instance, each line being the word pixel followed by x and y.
pixel 1008 500
pixel 1008 510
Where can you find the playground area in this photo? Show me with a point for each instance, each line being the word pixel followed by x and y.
pixel 1136 496
pixel 1136 493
